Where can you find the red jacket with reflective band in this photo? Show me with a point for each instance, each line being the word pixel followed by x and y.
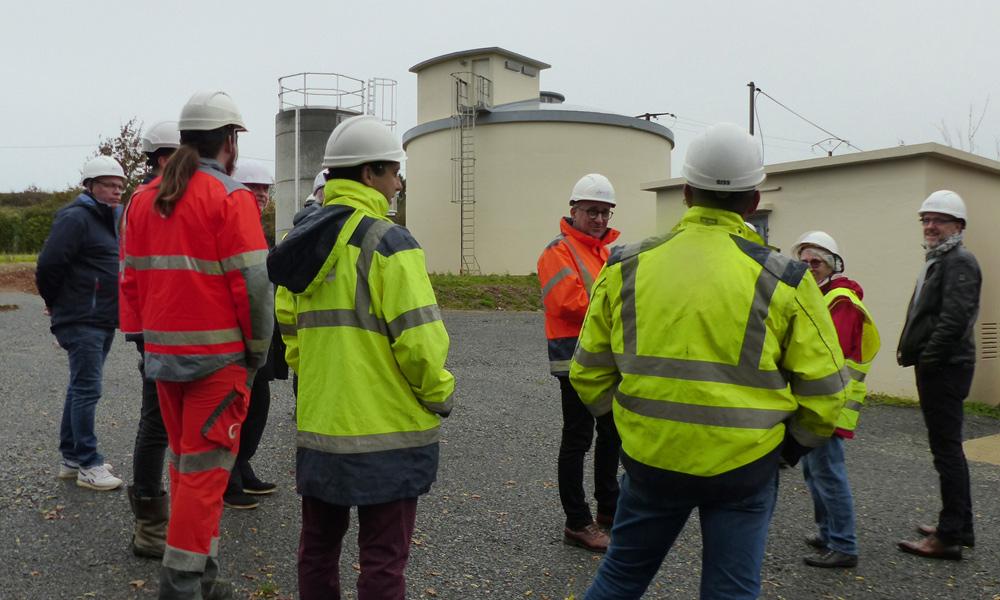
pixel 197 280
pixel 567 269
pixel 128 321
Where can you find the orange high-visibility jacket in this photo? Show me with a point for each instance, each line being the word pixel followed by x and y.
pixel 198 279
pixel 567 269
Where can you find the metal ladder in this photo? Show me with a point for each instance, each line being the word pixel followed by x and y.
pixel 464 167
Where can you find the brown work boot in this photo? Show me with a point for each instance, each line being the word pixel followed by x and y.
pixel 932 547
pixel 590 537
pixel 966 539
pixel 151 516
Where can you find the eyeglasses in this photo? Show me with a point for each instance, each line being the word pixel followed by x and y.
pixel 935 221
pixel 593 213
pixel 814 263
pixel 113 185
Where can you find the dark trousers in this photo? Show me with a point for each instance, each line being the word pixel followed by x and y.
pixel 150 438
pixel 577 435
pixel 942 390
pixel 384 532
pixel 253 431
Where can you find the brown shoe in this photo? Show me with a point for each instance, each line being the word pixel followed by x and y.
pixel 932 547
pixel 966 539
pixel 590 537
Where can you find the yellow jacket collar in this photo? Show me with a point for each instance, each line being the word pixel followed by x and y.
pixel 716 217
pixel 356 195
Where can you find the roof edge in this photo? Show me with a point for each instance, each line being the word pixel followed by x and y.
pixel 475 51
pixel 927 149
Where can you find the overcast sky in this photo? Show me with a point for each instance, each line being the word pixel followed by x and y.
pixel 875 73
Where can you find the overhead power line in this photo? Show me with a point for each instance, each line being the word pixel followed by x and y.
pixel 807 120
pixel 44 147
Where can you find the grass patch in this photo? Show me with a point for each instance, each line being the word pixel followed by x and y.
pixel 18 258
pixel 971 408
pixel 487 292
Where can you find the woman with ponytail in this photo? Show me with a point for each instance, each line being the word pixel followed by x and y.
pixel 195 275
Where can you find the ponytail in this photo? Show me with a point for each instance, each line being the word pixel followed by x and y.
pixel 176 174
pixel 183 164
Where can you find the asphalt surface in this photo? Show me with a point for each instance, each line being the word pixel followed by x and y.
pixel 491 526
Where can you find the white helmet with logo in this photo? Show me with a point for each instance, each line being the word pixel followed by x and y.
pixel 163 134
pixel 823 240
pixel 252 171
pixel 101 166
pixel 724 158
pixel 359 140
pixel 594 187
pixel 945 202
pixel 208 110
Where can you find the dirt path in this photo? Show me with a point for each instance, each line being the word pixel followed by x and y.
pixel 17 277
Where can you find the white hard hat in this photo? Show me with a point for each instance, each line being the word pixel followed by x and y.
pixel 163 134
pixel 593 187
pixel 724 158
pixel 359 140
pixel 102 166
pixel 822 240
pixel 252 171
pixel 208 110
pixel 320 181
pixel 945 202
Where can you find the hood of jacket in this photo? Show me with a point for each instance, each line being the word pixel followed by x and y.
pixel 839 281
pixel 304 258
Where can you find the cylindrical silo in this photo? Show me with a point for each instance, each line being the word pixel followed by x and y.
pixel 300 138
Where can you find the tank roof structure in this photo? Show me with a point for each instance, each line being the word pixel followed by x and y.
pixel 478 52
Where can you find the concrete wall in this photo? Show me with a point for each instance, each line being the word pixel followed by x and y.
pixel 436 87
pixel 870 208
pixel 524 175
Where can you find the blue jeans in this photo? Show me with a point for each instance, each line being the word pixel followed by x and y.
pixel 833 505
pixel 87 347
pixel 734 533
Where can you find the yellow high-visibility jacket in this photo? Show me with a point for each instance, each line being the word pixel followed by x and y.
pixel 707 346
pixel 364 334
pixel 856 370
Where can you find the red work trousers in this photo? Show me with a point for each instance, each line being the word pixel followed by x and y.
pixel 203 420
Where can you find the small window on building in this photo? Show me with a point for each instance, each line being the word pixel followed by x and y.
pixel 512 65
pixel 759 220
pixel 529 71
pixel 989 336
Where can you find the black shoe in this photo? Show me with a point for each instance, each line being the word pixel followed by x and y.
pixel 255 486
pixel 832 560
pixel 252 484
pixel 816 541
pixel 239 501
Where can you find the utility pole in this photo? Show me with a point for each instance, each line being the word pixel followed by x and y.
pixel 753 95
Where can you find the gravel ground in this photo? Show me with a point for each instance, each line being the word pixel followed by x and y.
pixel 491 526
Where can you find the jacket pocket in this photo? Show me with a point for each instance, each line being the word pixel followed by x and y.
pixel 224 424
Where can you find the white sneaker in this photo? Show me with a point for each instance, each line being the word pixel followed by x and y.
pixel 68 469
pixel 97 478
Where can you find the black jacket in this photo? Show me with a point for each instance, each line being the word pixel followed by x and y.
pixel 939 326
pixel 77 272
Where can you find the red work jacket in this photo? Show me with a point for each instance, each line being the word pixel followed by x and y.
pixel 197 280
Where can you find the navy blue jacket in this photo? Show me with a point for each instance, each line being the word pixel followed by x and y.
pixel 77 273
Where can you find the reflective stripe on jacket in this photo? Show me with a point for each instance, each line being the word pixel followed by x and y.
pixel 198 279
pixel 567 269
pixel 857 370
pixel 364 334
pixel 707 346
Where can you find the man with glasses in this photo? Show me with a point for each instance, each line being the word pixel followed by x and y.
pixel 824 468
pixel 77 277
pixel 567 269
pixel 937 340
